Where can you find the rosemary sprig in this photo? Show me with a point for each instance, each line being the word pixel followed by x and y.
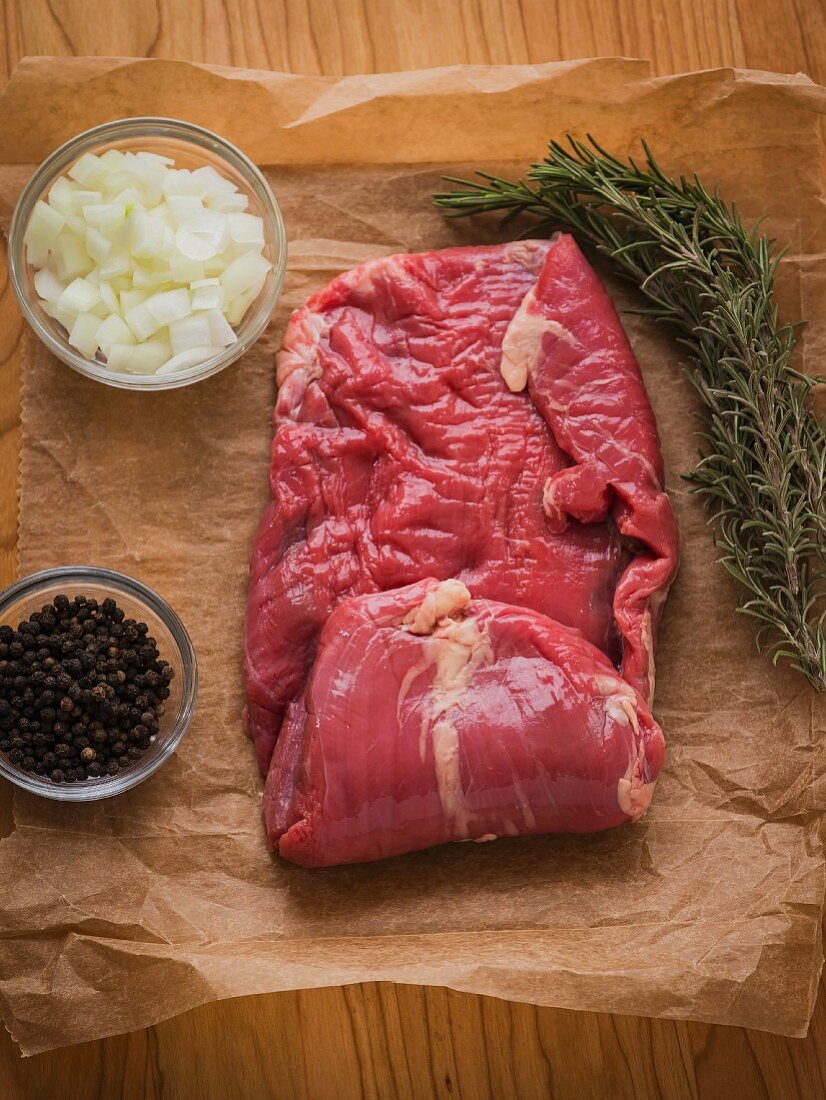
pixel 762 467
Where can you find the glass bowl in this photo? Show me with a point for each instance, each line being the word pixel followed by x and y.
pixel 138 602
pixel 191 147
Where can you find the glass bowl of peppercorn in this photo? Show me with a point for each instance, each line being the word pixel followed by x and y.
pixel 98 682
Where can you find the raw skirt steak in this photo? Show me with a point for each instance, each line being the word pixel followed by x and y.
pixel 476 416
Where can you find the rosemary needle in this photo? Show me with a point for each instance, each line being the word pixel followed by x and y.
pixel 762 467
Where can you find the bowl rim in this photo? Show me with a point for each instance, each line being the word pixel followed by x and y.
pixel 124 129
pixel 91 790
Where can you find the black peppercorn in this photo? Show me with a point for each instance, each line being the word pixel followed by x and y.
pixel 81 690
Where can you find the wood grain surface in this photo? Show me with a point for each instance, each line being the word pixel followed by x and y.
pixel 383 1041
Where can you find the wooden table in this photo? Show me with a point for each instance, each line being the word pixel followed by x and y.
pixel 375 1040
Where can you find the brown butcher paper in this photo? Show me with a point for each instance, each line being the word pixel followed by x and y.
pixel 118 914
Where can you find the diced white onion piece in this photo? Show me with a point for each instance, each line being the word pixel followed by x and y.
pixel 47 285
pixel 44 225
pixel 184 270
pixel 147 235
pixel 87 170
pixel 72 257
pixel 203 237
pixel 180 181
pixel 190 332
pixel 151 175
pixel 61 195
pixel 243 273
pixel 167 248
pixel 76 224
pixel 128 198
pixel 143 323
pixel 142 358
pixel 131 298
pixel 82 198
pixel 79 296
pixel 207 297
pixel 118 355
pixel 228 203
pixel 97 245
pixel 184 208
pixel 119 180
pixel 217 265
pixel 83 335
pixel 156 280
pixel 237 308
pixel 114 330
pixel 116 263
pixel 169 306
pixel 212 181
pixel 106 216
pixel 185 359
pixel 60 315
pixel 246 229
pixel 221 333
pixel 109 297
pixel 112 158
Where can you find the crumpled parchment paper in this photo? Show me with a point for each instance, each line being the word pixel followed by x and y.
pixel 119 914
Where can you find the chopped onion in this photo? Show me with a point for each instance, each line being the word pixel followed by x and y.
pixel 114 330
pixel 142 322
pixel 190 358
pixel 97 245
pixel 144 358
pixel 169 306
pixel 84 334
pixel 47 285
pixel 43 228
pixel 243 273
pixel 222 333
pixel 143 263
pixel 208 295
pixel 190 332
pixel 79 296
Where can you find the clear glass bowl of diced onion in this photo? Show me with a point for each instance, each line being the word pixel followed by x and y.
pixel 147 253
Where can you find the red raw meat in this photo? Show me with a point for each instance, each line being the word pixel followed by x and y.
pixel 401 454
pixel 429 717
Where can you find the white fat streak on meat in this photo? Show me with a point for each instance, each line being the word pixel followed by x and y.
pixel 392 270
pixel 647 633
pixel 530 254
pixel 445 599
pixel 620 699
pixel 522 346
pixel 634 796
pixel 298 363
pixel 454 649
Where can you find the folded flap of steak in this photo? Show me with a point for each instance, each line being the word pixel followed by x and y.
pixel 430 716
